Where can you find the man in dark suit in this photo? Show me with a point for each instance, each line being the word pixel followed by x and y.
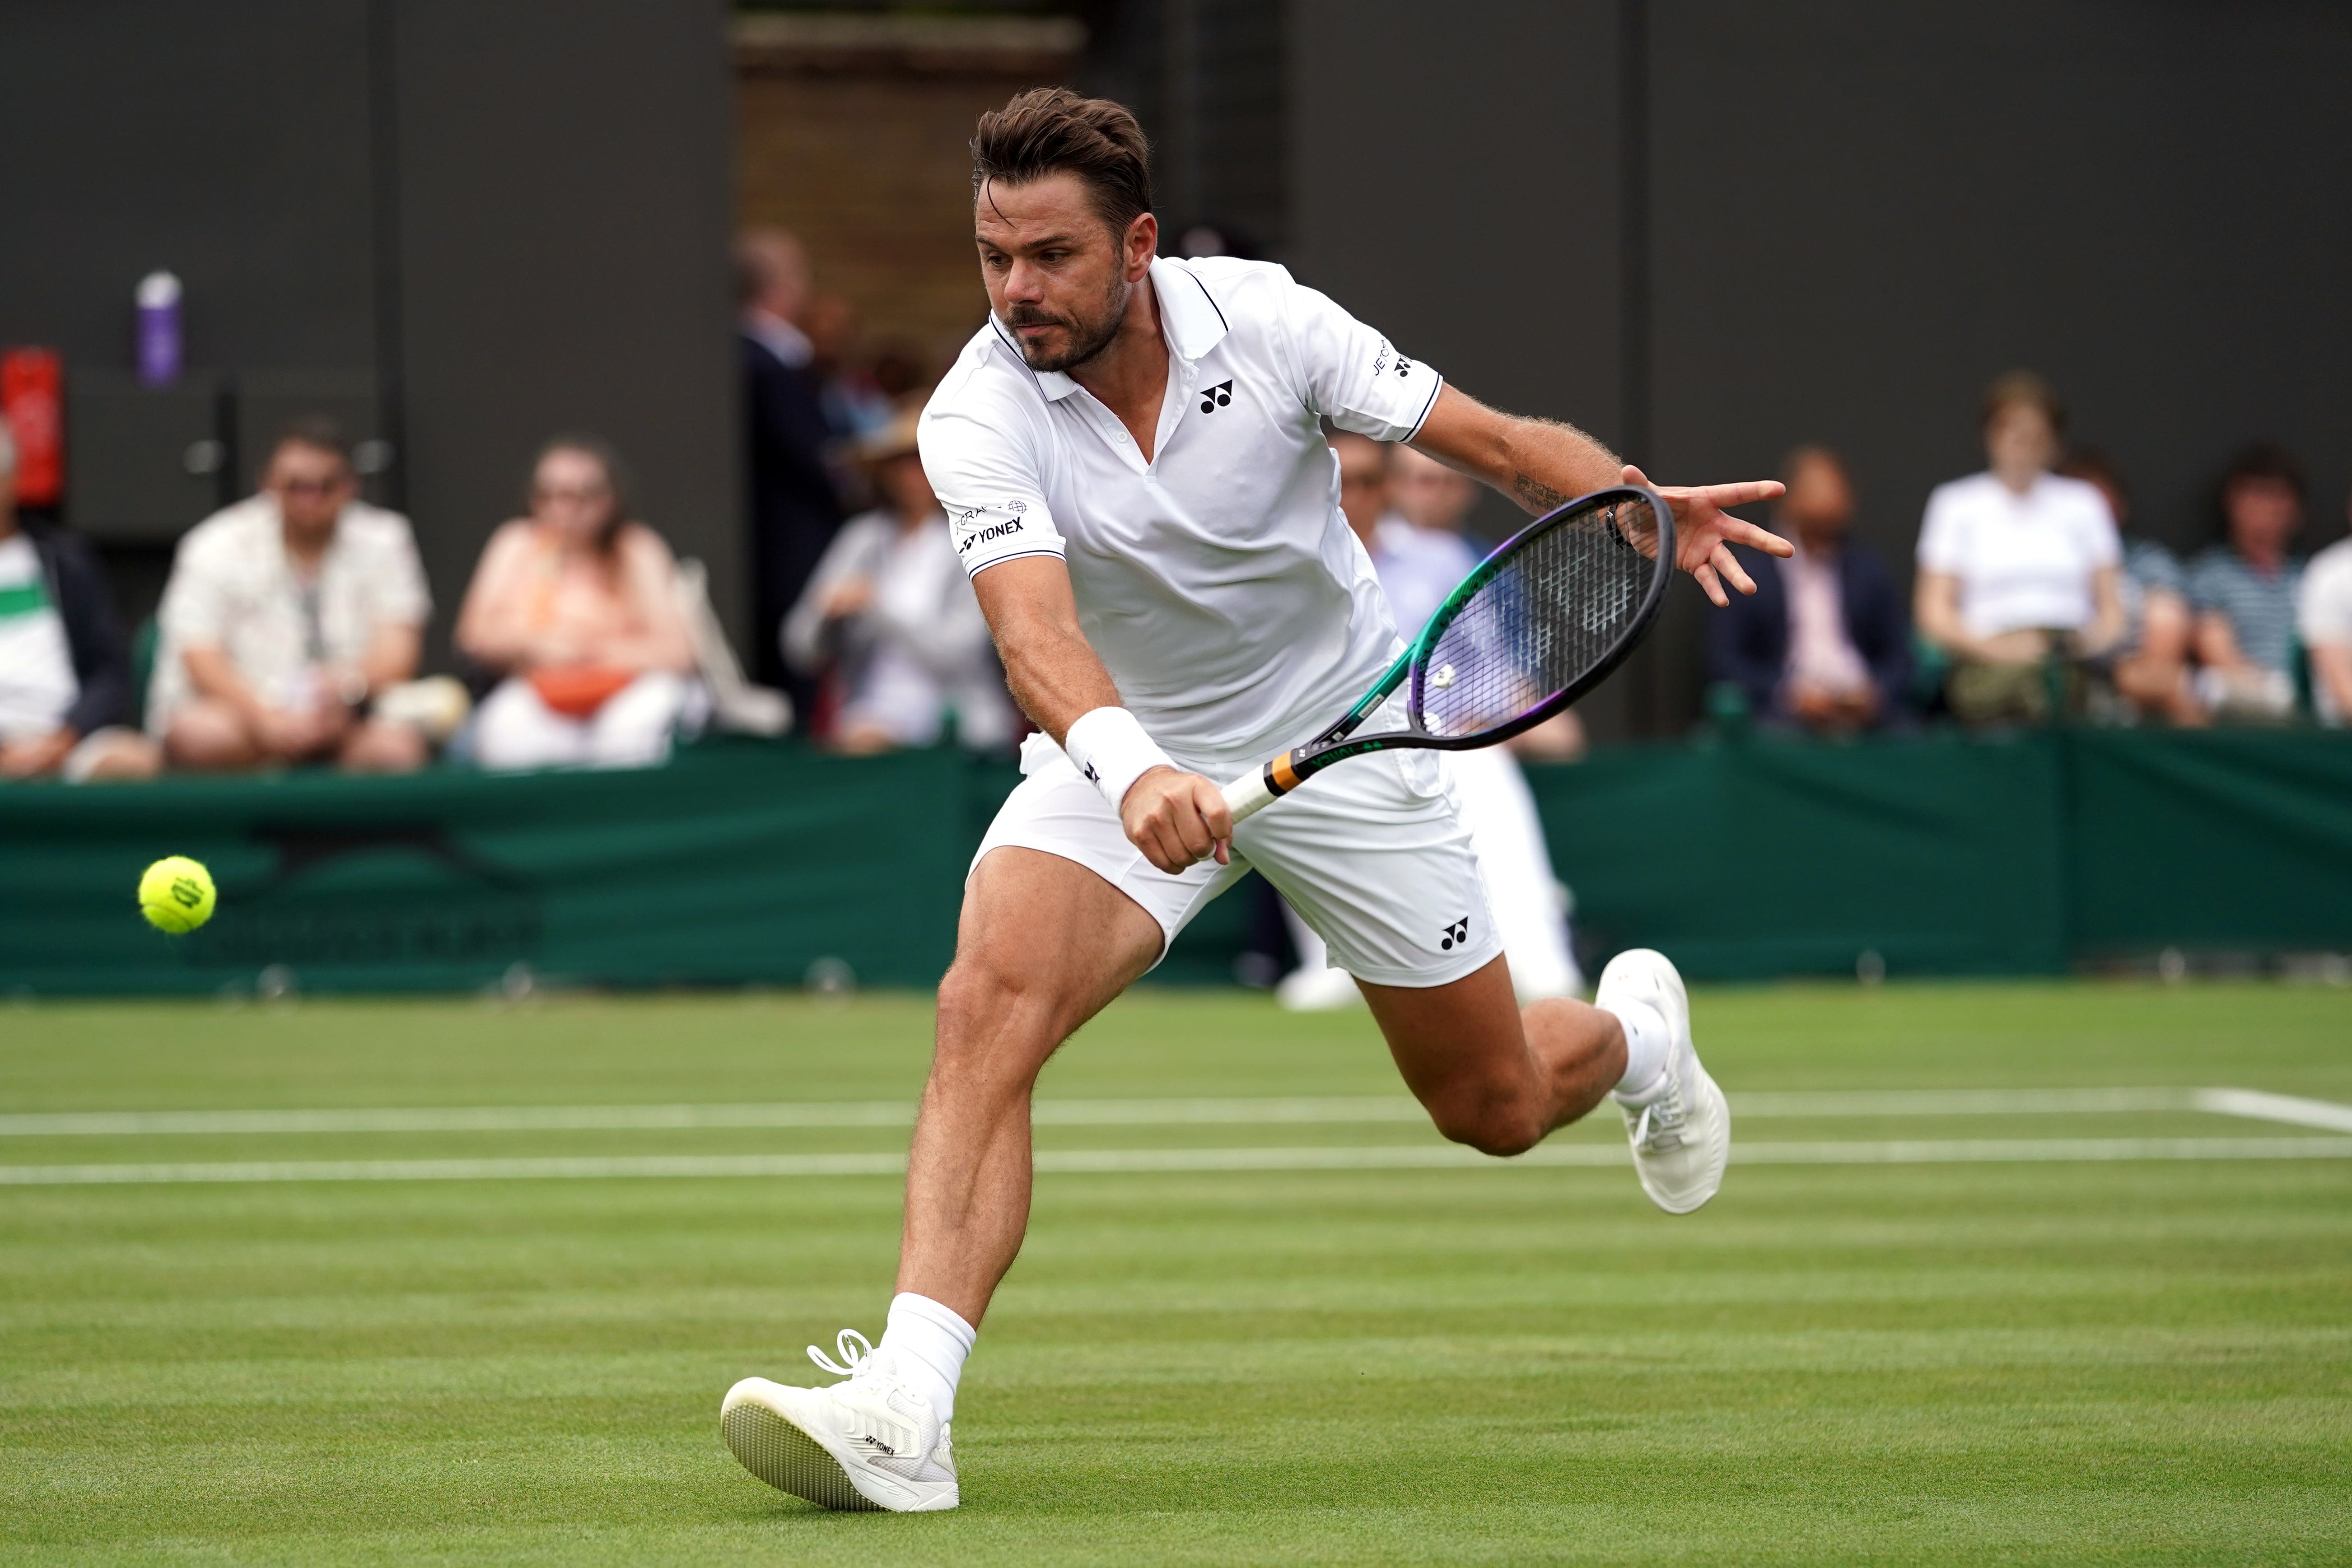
pixel 795 509
pixel 1823 642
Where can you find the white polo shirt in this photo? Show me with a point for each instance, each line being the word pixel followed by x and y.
pixel 2024 562
pixel 1218 583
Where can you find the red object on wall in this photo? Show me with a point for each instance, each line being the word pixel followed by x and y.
pixel 32 399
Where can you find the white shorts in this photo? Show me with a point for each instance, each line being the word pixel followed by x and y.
pixel 1372 853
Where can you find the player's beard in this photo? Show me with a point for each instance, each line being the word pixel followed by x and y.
pixel 1086 335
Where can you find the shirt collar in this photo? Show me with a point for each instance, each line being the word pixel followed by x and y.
pixel 1188 315
pixel 1189 318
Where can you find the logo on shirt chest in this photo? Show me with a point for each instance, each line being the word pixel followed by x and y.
pixel 1215 397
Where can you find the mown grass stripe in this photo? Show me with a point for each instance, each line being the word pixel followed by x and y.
pixel 1365 1110
pixel 1912 1151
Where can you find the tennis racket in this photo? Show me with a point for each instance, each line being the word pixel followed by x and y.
pixel 1538 625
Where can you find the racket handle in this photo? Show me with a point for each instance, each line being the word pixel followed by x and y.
pixel 1247 795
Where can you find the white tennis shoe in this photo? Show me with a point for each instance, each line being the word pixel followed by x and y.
pixel 870 1442
pixel 1680 1127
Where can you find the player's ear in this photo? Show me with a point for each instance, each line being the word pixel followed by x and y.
pixel 1141 243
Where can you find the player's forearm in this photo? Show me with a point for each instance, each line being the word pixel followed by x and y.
pixel 1054 672
pixel 1055 675
pixel 1538 463
pixel 1544 465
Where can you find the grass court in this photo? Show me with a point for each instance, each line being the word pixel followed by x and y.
pixel 1265 1316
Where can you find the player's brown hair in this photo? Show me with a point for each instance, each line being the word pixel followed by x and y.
pixel 1052 130
pixel 2023 388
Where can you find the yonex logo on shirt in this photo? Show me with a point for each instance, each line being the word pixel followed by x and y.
pixel 993 530
pixel 1380 361
pixel 1215 397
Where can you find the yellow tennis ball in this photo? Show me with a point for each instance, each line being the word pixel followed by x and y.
pixel 176 894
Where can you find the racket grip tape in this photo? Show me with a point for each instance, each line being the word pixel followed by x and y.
pixel 1254 791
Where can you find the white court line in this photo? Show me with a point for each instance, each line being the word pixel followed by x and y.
pixel 1096 1162
pixel 1364 1110
pixel 2287 1108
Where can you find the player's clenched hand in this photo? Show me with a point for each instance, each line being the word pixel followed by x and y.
pixel 1177 819
pixel 1705 532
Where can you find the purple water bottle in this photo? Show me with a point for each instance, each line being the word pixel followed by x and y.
pixel 159 330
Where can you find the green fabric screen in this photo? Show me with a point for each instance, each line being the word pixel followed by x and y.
pixel 745 863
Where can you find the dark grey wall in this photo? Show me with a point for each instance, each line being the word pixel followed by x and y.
pixel 564 217
pixel 227 142
pixel 515 217
pixel 1858 214
pixel 1456 183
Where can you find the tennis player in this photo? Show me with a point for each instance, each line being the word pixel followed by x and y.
pixel 1132 457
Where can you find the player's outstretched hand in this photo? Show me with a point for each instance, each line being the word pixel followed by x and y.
pixel 1705 532
pixel 1177 819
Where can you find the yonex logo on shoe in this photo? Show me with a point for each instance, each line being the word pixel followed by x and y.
pixel 1215 397
pixel 1456 933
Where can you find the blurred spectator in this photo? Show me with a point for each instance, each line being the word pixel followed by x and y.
pixel 1416 542
pixel 2243 588
pixel 855 405
pixel 892 611
pixel 577 606
pixel 2017 566
pixel 285 616
pixel 65 674
pixel 794 510
pixel 2324 617
pixel 2151 660
pixel 1824 641
pixel 1418 565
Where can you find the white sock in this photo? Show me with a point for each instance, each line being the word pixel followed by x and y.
pixel 1646 1044
pixel 931 1342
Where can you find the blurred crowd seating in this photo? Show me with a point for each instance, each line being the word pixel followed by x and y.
pixel 292 626
pixel 2032 604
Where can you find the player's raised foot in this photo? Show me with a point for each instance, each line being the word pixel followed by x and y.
pixel 871 1441
pixel 1680 1126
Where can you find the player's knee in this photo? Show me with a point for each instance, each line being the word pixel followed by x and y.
pixel 979 1006
pixel 1489 1125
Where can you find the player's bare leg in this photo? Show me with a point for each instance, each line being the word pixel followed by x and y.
pixel 1044 945
pixel 1492 1074
pixel 1499 1077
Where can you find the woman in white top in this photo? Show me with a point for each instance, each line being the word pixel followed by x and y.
pixel 577 605
pixel 889 603
pixel 2017 565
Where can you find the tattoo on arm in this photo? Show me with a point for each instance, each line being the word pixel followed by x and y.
pixel 1536 495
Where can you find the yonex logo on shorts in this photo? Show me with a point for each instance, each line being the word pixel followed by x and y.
pixel 1459 931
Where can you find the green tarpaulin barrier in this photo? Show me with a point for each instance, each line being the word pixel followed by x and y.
pixel 750 862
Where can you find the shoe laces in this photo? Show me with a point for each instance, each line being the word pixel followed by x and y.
pixel 855 1350
pixel 1660 1128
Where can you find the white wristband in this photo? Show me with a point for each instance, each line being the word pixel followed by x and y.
pixel 1110 747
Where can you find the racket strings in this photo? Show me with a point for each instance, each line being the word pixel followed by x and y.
pixel 1549 614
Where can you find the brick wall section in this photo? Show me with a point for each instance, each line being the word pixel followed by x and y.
pixel 852 132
